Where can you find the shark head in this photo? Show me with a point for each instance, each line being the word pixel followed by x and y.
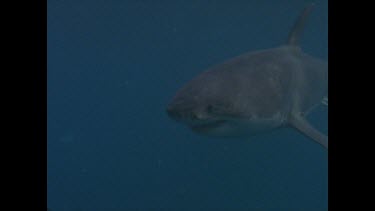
pixel 215 104
pixel 196 105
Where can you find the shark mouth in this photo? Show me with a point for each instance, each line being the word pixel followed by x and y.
pixel 204 127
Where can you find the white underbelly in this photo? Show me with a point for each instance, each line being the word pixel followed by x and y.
pixel 235 127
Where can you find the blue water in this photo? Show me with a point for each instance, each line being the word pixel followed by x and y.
pixel 112 68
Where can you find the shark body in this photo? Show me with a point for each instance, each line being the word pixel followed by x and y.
pixel 256 92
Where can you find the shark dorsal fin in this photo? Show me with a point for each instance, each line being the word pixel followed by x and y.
pixel 295 33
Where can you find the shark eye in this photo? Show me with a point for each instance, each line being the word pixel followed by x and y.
pixel 198 116
pixel 209 109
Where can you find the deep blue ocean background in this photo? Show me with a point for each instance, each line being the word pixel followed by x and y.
pixel 113 65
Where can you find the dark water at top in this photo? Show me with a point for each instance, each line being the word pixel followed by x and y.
pixel 112 68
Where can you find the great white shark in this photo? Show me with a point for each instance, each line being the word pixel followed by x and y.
pixel 256 92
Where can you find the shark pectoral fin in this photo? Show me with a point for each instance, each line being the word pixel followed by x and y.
pixel 325 101
pixel 303 126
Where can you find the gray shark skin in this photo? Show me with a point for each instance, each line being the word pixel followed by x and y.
pixel 256 92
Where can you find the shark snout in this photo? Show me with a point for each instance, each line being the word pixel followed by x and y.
pixel 176 111
pixel 173 113
pixel 178 114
